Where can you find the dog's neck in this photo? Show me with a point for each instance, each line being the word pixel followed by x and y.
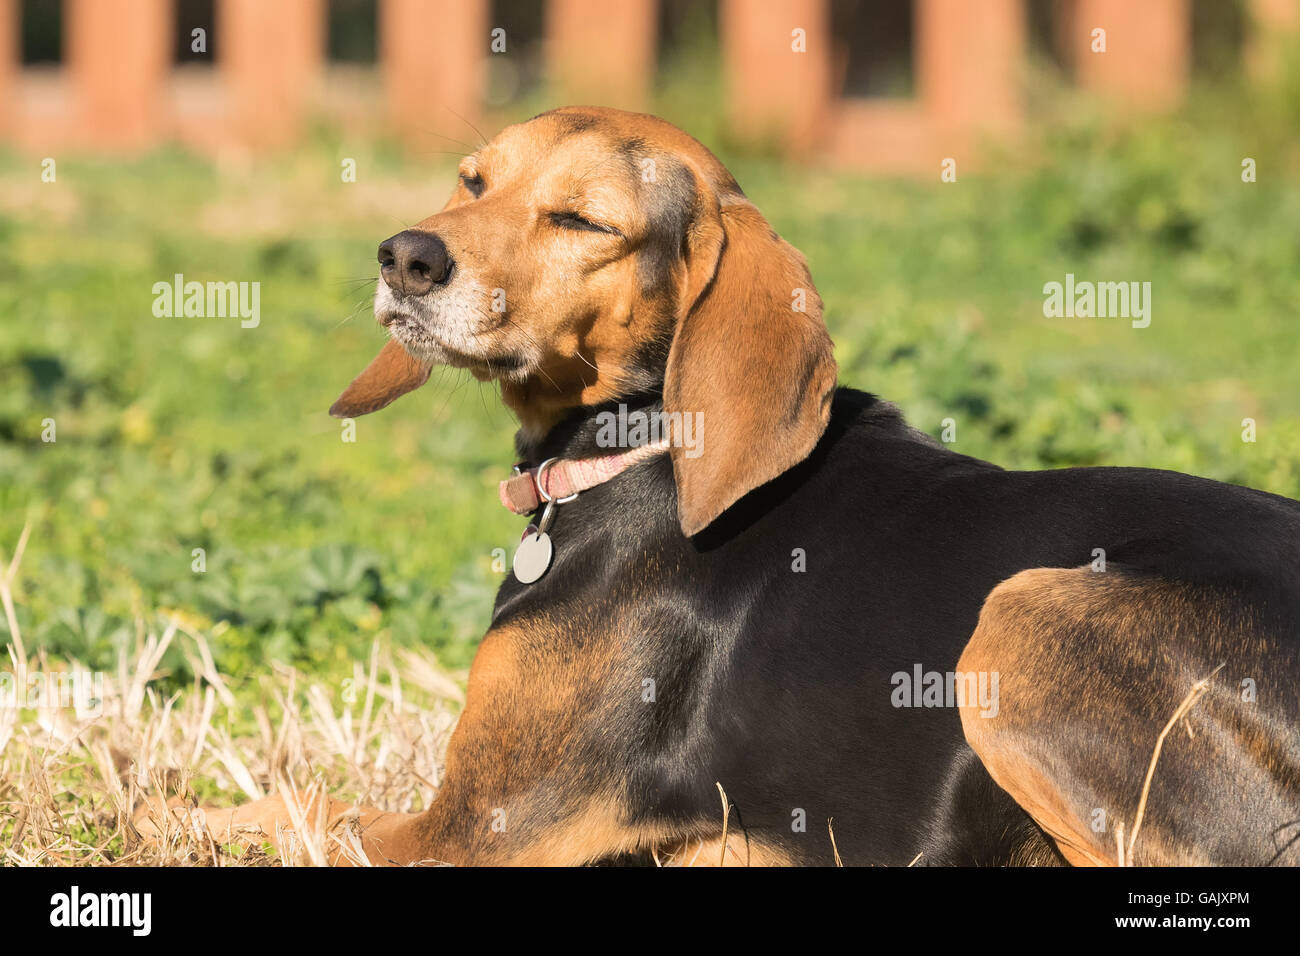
pixel 586 432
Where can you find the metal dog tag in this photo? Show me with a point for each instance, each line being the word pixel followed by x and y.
pixel 534 554
pixel 532 557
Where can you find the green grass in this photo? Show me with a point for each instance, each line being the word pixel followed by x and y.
pixel 176 434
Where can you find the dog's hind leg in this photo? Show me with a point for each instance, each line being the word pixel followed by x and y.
pixel 1126 700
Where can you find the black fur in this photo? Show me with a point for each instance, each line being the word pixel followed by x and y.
pixel 777 683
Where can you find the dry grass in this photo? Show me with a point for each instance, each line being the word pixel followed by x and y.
pixel 73 773
pixel 1123 855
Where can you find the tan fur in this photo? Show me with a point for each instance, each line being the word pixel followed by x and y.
pixel 758 373
pixel 530 705
pixel 391 375
pixel 1091 668
pixel 579 315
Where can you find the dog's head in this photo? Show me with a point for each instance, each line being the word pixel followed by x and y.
pixel 591 254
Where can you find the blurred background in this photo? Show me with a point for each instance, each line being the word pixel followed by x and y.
pixel 278 143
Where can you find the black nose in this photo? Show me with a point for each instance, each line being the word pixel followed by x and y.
pixel 413 262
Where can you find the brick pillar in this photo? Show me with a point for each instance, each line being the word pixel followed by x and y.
pixel 601 53
pixel 432 54
pixel 1148 49
pixel 8 65
pixel 270 56
pixel 119 54
pixel 772 90
pixel 1273 27
pixel 969 58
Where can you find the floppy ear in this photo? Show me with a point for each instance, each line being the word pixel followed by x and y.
pixel 391 375
pixel 751 356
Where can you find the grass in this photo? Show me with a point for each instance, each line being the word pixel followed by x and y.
pixel 76 770
pixel 182 434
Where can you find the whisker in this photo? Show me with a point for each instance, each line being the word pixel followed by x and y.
pixel 490 409
pixel 355 311
pixel 549 379
pixel 482 400
pixel 355 282
pixel 482 138
pixel 446 401
pixel 525 333
pixel 452 139
pixel 442 152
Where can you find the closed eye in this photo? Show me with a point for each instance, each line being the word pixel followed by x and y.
pixel 571 220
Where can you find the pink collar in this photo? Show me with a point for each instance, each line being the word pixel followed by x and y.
pixel 563 478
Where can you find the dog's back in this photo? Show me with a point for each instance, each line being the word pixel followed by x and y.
pixel 797 639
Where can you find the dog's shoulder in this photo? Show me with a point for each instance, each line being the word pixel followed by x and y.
pixel 869 439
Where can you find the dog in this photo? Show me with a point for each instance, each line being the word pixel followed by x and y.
pixel 812 634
